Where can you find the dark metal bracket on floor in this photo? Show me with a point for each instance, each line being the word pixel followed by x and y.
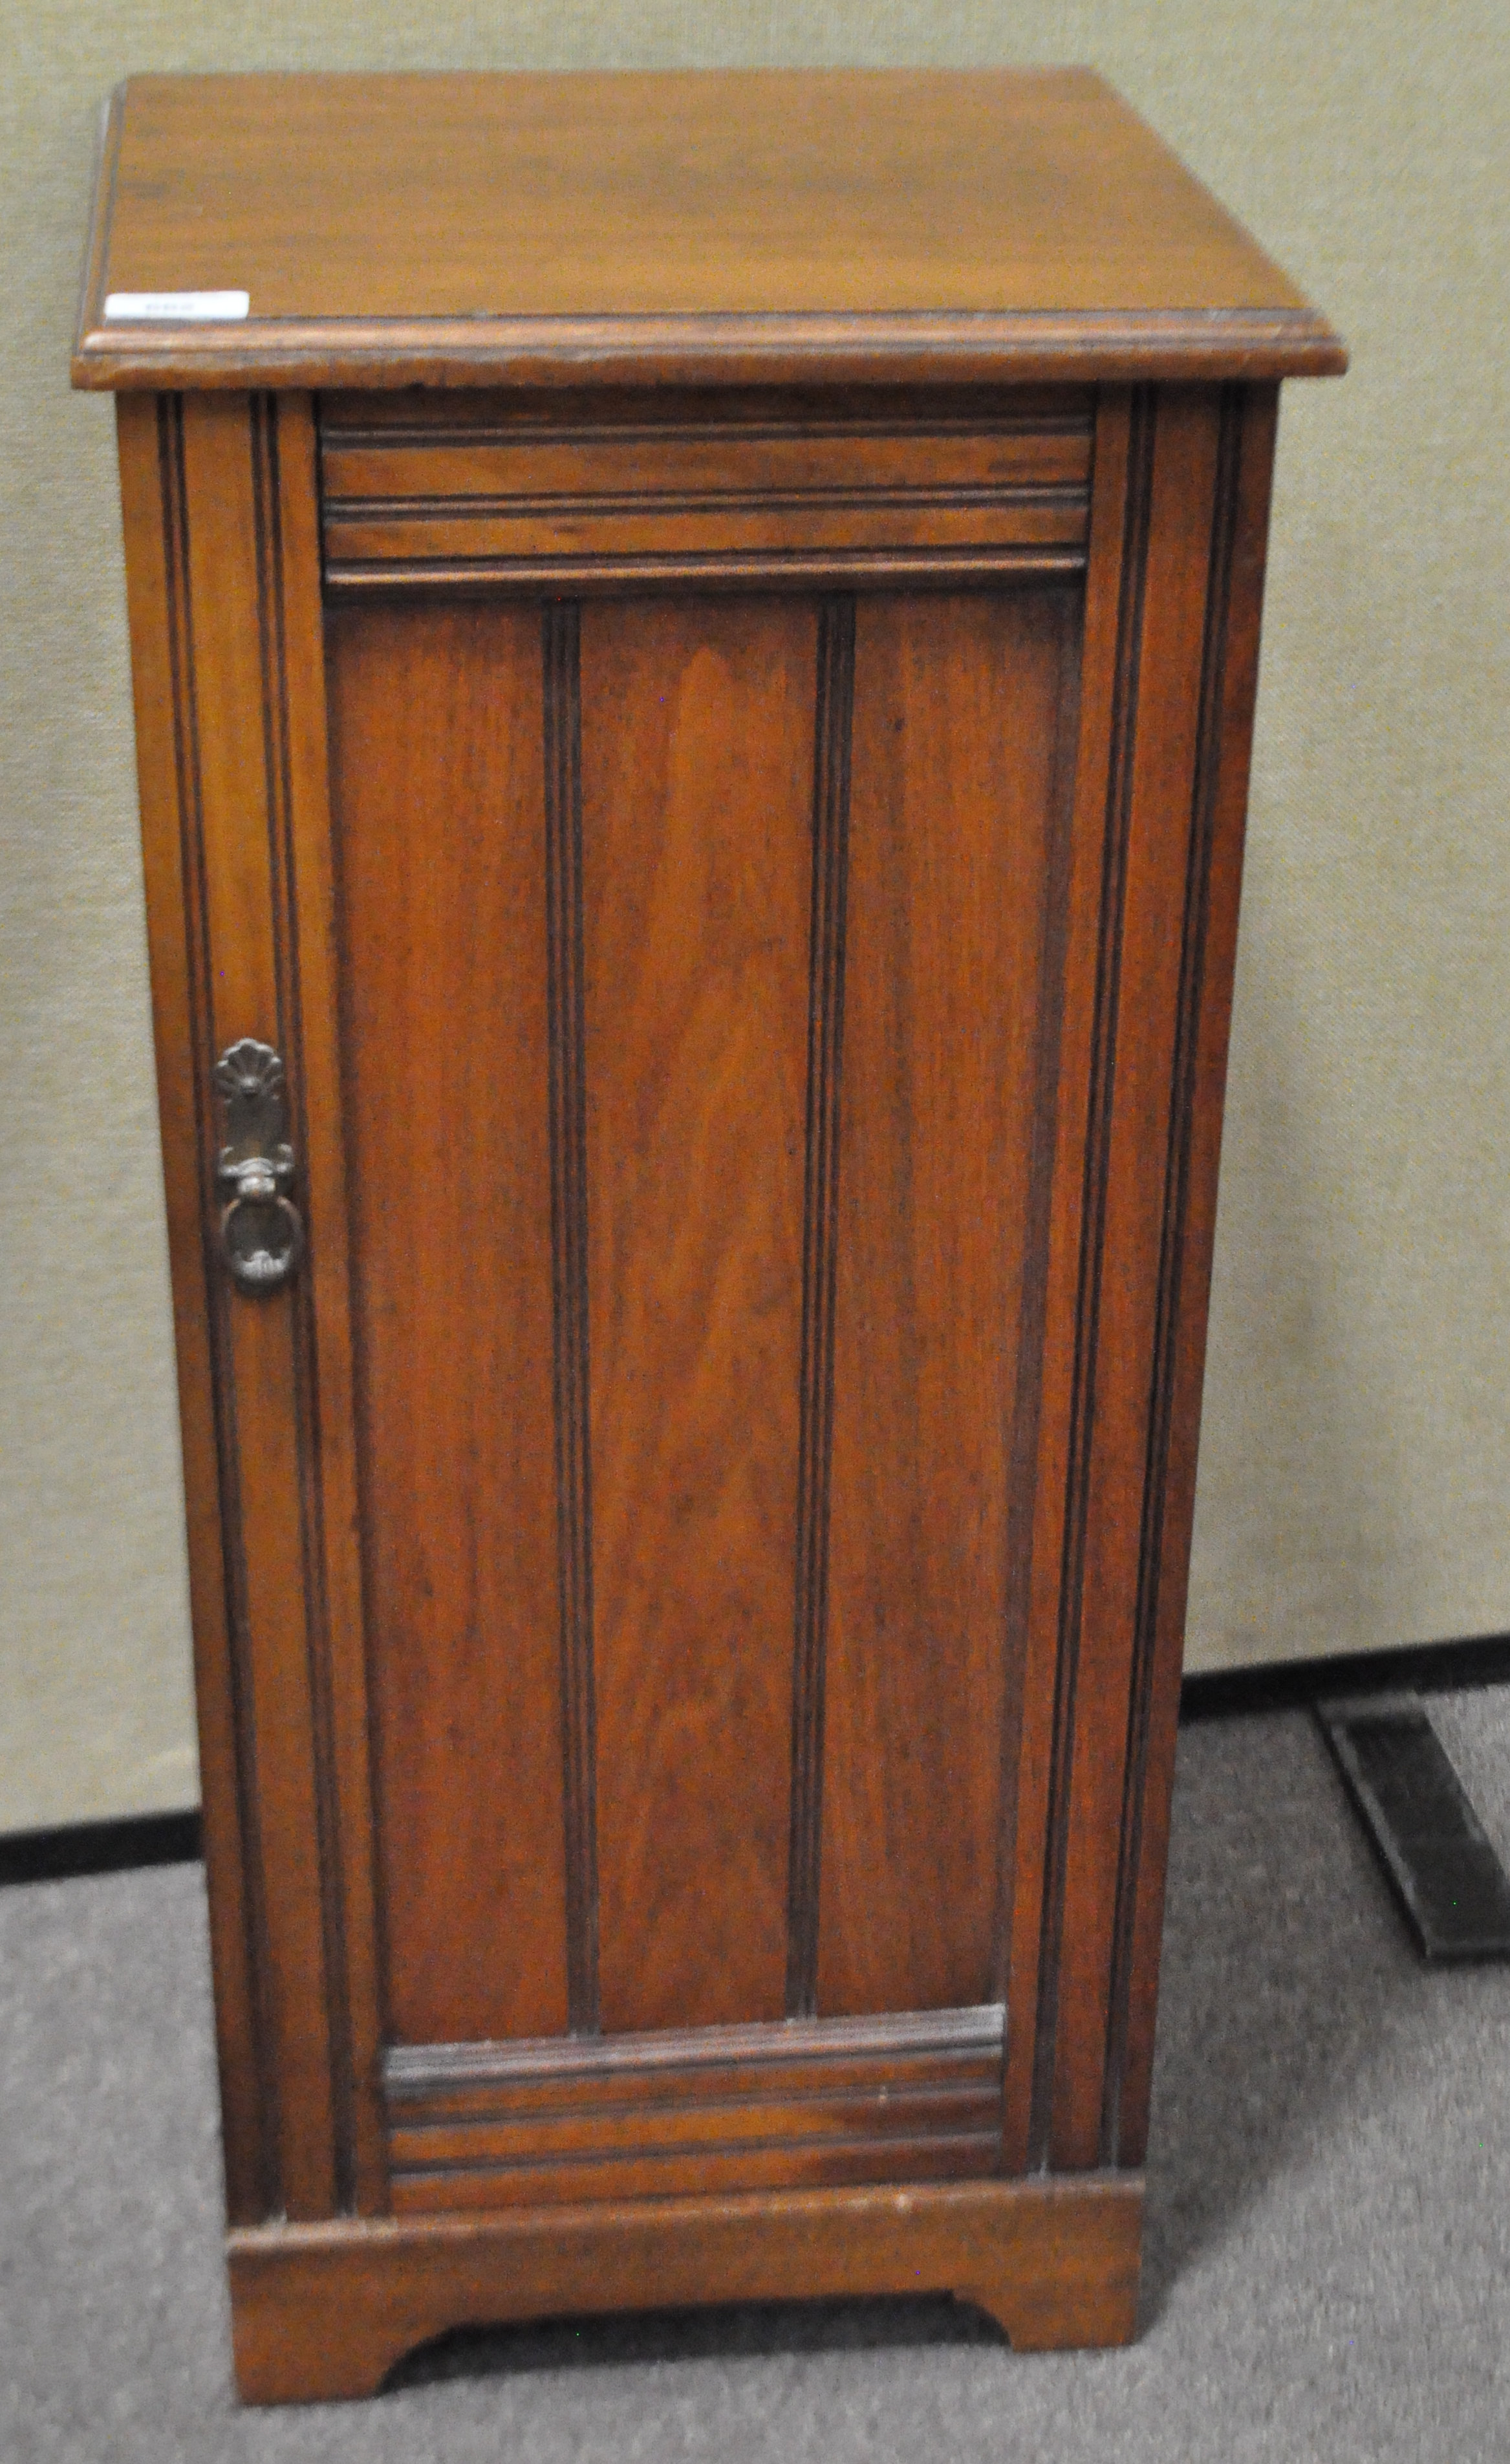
pixel 1440 1863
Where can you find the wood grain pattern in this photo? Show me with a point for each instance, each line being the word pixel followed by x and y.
pixel 703 1541
pixel 1033 1824
pixel 884 223
pixel 321 2312
pixel 696 487
pixel 1162 773
pixel 439 801
pixel 889 2134
pixel 1167 1295
pixel 697 771
pixel 306 933
pixel 714 2109
pixel 962 764
pixel 153 518
pixel 1229 690
pixel 1090 1167
pixel 239 786
pixel 245 755
pixel 1050 425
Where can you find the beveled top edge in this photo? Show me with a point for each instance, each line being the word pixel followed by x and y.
pixel 1269 333
pixel 1018 347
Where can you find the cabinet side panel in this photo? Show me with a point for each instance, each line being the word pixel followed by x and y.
pixel 698 723
pixel 438 794
pixel 1123 1305
pixel 962 759
pixel 1244 475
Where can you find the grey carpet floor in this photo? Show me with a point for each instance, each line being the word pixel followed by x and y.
pixel 1327 2253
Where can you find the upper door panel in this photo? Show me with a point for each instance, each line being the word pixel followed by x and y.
pixel 698 996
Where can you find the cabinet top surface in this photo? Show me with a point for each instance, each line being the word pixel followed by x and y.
pixel 759 226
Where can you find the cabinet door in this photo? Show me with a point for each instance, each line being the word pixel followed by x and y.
pixel 699 944
pixel 661 1520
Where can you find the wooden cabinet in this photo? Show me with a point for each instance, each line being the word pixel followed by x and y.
pixel 695 659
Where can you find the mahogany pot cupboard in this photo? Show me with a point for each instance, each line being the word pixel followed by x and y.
pixel 694 645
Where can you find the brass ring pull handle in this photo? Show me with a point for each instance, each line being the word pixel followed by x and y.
pixel 261 1237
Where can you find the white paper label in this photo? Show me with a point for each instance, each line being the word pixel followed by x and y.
pixel 176 307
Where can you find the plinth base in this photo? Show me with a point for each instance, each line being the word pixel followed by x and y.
pixel 326 2310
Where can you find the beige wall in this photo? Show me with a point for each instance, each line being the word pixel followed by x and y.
pixel 1353 1483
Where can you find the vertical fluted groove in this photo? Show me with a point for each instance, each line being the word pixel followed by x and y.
pixel 1093 1215
pixel 191 826
pixel 267 491
pixel 1192 959
pixel 825 1024
pixel 562 648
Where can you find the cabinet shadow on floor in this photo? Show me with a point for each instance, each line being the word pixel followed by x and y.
pixel 731 2332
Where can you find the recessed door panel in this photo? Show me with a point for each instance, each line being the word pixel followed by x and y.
pixel 697 799
pixel 439 834
pixel 962 759
pixel 717 1170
